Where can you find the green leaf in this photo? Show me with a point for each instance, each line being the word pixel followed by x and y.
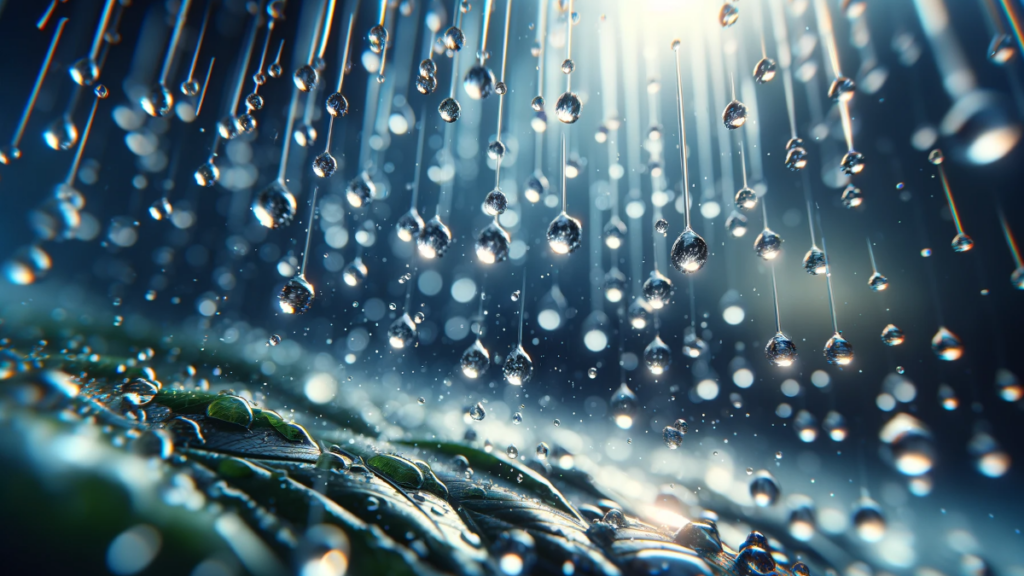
pixel 399 470
pixel 290 430
pixel 231 409
pixel 508 470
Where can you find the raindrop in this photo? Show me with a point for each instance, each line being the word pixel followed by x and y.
pixel 728 15
pixel 543 451
pixel 478 82
pixel 518 367
pixel 296 296
pixel 842 89
pixel 450 110
pixel 657 290
pixel 892 335
pixel 306 78
pixel 852 163
pixel 454 39
pixel 336 105
pixel 877 282
pixel 433 242
pixel 495 203
pixel 734 115
pixel 764 71
pixel 736 223
pixel 624 407
pixel 657 356
pixel 780 350
pixel 378 37
pixel 475 360
pixel 746 199
pixel 947 345
pixel 814 261
pixel 851 197
pixel 1002 49
pixel 567 108
pixel 768 244
pixel 402 332
pixel 764 489
pixel 564 234
pixel 477 413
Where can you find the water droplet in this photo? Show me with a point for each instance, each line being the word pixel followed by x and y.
pixel 877 282
pixel 426 84
pixel 796 158
pixel 851 197
pixel 233 409
pixel 496 150
pixel 842 89
pixel 495 203
pixel 673 435
pixel 402 332
pixel 477 413
pixel 661 226
pixel 454 39
pixel 947 345
pixel 768 244
pixel 568 66
pixel 324 165
pixel 736 223
pixel 838 350
pixel 336 105
pixel 157 102
pixel 734 115
pixel 1002 49
pixel 254 102
pixel 568 107
pixel 450 110
pixel 852 163
pixel 274 206
pixel 746 199
pixel 728 15
pixel 537 103
pixel 475 360
pixel 764 70
pixel 296 296
pixel 892 335
pixel 543 451
pixel 962 243
pixel 512 451
pixel 61 134
pixel 306 78
pixel 657 290
pixel 139 392
pixel 207 174
pixel 478 82
pixel 433 242
pixel 161 209
pixel 518 367
pixel 274 340
pixel 780 350
pixel 564 234
pixel 409 225
pixel 657 356
pixel 378 37
pixel 693 345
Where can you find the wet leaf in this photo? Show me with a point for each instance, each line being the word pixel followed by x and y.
pixel 231 409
